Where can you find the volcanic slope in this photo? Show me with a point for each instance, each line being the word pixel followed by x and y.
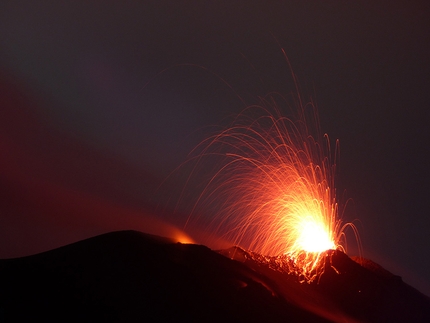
pixel 131 276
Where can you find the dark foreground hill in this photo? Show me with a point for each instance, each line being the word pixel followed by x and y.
pixel 130 276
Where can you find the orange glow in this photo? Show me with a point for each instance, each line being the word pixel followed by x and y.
pixel 313 236
pixel 183 238
pixel 273 191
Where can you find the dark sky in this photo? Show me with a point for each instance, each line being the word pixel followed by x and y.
pixel 100 101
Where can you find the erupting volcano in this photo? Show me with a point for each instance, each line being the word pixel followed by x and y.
pixel 273 187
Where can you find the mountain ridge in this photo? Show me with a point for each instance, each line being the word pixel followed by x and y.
pixel 134 276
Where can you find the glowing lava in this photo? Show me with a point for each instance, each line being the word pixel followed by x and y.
pixel 272 187
pixel 313 237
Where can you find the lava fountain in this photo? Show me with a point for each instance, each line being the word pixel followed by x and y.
pixel 272 188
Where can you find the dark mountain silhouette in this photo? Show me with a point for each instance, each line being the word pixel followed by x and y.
pixel 131 276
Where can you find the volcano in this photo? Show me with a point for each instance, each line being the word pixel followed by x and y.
pixel 132 276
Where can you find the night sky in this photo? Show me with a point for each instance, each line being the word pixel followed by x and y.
pixel 100 101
